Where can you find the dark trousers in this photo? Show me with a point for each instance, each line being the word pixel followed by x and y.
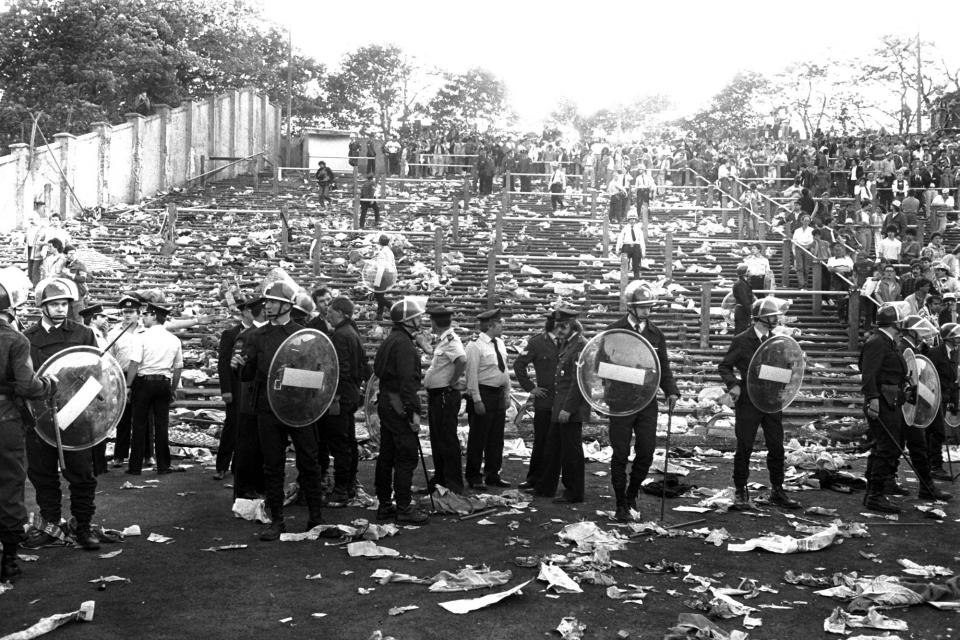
pixel 151 399
pixel 741 319
pixel 936 435
pixel 885 454
pixel 228 437
pixel 13 475
pixel 757 282
pixel 635 255
pixel 443 412
pixel 366 205
pixel 526 184
pixel 748 420
pixel 541 427
pixel 382 304
pixel 556 197
pixel 641 427
pixel 273 443
pixel 618 206
pixel 485 440
pixel 915 441
pixel 564 461
pixel 248 458
pixel 121 446
pixel 44 473
pixel 341 437
pixel 397 459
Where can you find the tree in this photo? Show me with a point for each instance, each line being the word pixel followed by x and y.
pixel 743 104
pixel 632 117
pixel 77 61
pixel 472 101
pixel 374 84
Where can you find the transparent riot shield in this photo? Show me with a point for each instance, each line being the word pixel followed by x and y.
pixel 775 374
pixel 91 394
pixel 302 378
pixel 371 418
pixel 379 275
pixel 618 372
pixel 923 377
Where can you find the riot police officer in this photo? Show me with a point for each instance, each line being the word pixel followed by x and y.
pixel 18 382
pixel 766 314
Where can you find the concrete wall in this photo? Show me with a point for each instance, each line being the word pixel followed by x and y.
pixel 127 162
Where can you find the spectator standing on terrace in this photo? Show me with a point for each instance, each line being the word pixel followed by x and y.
pixel 53 259
pixel 803 241
pixel 863 192
pixel 630 242
pixel 558 182
pixel 325 179
pixel 935 251
pixel 619 200
pixel 840 266
pixel 74 269
pixel 391 151
pixel 368 201
pixel 485 172
pixel 644 186
pixel 890 246
pixel 758 268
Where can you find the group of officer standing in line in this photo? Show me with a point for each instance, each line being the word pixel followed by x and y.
pixel 255 441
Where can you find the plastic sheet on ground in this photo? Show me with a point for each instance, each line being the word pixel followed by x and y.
pixel 924 571
pixel 694 626
pixel 469 579
pixel 253 510
pixel 789 544
pixel 878 590
pixel 48 624
pixel 840 621
pixel 446 501
pixel 472 604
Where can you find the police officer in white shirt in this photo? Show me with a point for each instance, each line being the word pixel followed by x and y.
pixel 630 242
pixel 443 384
pixel 123 338
pixel 488 391
pixel 153 376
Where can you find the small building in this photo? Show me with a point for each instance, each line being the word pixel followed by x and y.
pixel 329 145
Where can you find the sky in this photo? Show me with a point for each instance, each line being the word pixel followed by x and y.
pixel 608 53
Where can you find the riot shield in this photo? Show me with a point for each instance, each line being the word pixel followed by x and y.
pixel 775 374
pixel 379 275
pixel 371 418
pixel 302 378
pixel 618 372
pixel 91 394
pixel 923 377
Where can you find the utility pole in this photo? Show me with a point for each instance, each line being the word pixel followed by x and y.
pixel 919 87
pixel 289 92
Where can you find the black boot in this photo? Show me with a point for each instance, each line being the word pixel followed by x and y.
pixel 877 501
pixel 9 570
pixel 930 491
pixel 86 538
pixel 741 499
pixel 277 527
pixel 893 488
pixel 780 498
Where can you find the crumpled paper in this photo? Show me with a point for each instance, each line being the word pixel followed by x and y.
pixel 472 604
pixel 557 579
pixel 840 620
pixel 924 571
pixel 587 536
pixel 48 624
pixel 571 629
pixel 367 549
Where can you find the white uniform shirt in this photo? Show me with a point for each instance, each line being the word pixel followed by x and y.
pixel 126 344
pixel 483 367
pixel 158 351
pixel 631 234
pixel 440 372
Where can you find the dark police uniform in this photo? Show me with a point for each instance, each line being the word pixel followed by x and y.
pixel 248 458
pixel 229 383
pixel 258 351
pixel 18 381
pixel 883 374
pixel 338 425
pixel 733 372
pixel 43 465
pixel 642 425
pixel 946 362
pixel 743 296
pixel 563 455
pixel 397 365
pixel 542 350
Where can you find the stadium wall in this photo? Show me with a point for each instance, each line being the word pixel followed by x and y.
pixel 146 155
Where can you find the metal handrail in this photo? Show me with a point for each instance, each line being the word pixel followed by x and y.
pixel 213 171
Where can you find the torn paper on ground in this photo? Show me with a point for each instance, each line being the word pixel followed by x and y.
pixel 368 549
pixel 788 544
pixel 251 510
pixel 472 604
pixel 557 579
pixel 46 625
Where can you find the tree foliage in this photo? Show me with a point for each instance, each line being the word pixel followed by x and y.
pixel 79 61
pixel 741 105
pixel 472 101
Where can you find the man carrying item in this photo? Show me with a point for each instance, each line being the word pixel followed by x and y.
pixel 153 376
pixel 248 482
pixel 259 349
pixel 766 314
pixel 397 365
pixel 564 442
pixel 488 392
pixel 639 427
pixel 337 424
pixel 17 384
pixel 229 387
pixel 542 351
pixel 443 384
pixel 54 333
